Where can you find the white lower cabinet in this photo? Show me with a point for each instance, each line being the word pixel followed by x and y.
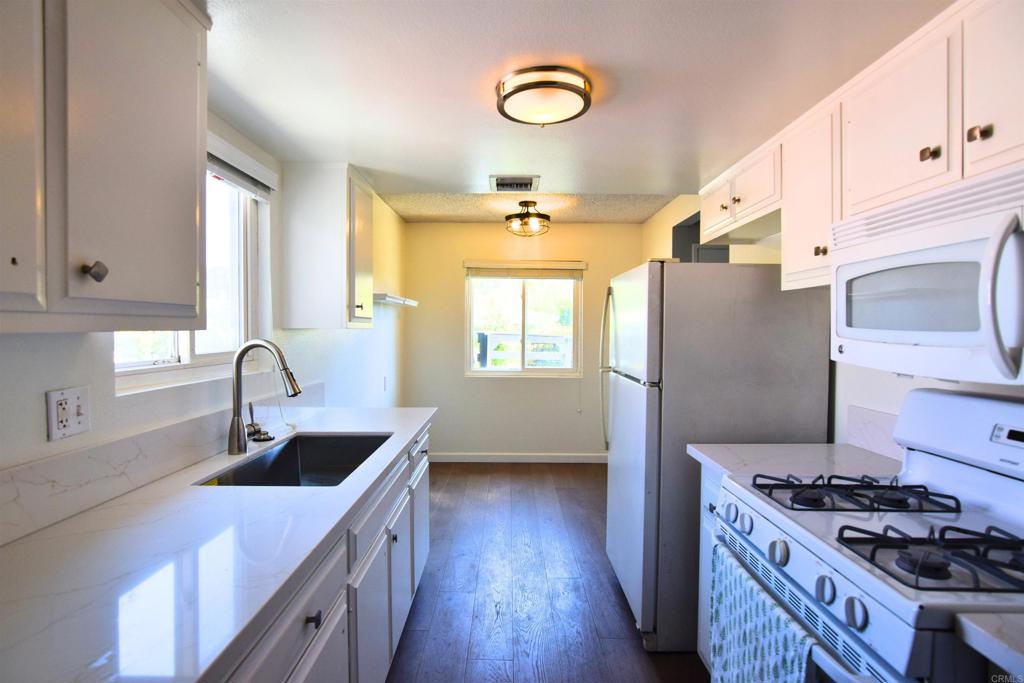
pixel 370 637
pixel 400 567
pixel 326 660
pixel 710 485
pixel 345 625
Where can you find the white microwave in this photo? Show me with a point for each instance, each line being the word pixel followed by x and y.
pixel 933 286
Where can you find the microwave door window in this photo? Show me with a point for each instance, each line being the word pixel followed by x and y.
pixel 924 297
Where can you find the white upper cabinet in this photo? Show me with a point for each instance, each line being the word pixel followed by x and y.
pixel 360 250
pixel 901 124
pixel 327 247
pixel 993 85
pixel 748 192
pixel 810 165
pixel 125 161
pixel 756 185
pixel 22 237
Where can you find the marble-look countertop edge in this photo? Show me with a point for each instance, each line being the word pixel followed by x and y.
pixel 798 458
pixel 997 637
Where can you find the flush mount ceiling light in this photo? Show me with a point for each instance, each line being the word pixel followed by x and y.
pixel 528 223
pixel 540 95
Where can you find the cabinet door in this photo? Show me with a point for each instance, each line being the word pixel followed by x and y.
pixel 811 201
pixel 756 185
pixel 127 119
pixel 360 251
pixel 715 209
pixel 371 631
pixel 420 522
pixel 901 126
pixel 326 660
pixel 993 86
pixel 22 240
pixel 400 567
pixel 710 486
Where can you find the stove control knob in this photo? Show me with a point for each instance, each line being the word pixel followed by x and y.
pixel 731 512
pixel 778 552
pixel 856 613
pixel 825 590
pixel 746 523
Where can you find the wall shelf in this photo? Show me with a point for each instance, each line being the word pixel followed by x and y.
pixel 393 300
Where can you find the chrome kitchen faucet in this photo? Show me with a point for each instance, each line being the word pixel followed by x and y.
pixel 238 431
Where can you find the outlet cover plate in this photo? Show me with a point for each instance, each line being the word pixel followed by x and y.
pixel 68 412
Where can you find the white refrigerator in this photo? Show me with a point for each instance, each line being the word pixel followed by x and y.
pixel 696 353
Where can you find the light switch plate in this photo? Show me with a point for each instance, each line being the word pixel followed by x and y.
pixel 68 412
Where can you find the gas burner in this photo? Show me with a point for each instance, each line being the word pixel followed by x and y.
pixel 952 559
pixel 892 498
pixel 864 493
pixel 923 563
pixel 813 498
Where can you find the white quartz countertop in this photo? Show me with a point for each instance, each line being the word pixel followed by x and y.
pixel 161 582
pixel 998 637
pixel 800 459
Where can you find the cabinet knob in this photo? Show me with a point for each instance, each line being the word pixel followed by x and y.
pixel 929 153
pixel 316 619
pixel 712 507
pixel 723 207
pixel 735 200
pixel 820 251
pixel 98 271
pixel 359 307
pixel 394 538
pixel 980 132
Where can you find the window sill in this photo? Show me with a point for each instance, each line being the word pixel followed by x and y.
pixel 518 374
pixel 140 380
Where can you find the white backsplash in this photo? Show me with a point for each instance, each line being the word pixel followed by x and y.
pixel 46 491
pixel 872 430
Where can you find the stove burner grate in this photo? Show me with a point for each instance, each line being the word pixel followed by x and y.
pixel 953 559
pixel 839 493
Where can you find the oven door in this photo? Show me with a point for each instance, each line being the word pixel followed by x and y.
pixel 951 311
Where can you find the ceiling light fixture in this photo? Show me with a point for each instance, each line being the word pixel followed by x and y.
pixel 528 223
pixel 540 95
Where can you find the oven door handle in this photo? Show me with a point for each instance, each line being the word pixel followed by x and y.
pixel 832 668
pixel 1002 358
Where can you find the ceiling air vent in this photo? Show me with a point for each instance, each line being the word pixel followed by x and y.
pixel 515 183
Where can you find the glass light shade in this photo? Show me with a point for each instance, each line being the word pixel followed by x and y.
pixel 543 95
pixel 528 223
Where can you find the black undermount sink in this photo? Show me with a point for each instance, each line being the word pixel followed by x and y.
pixel 303 461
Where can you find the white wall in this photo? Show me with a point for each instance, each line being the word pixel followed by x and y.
pixel 352 363
pixel 503 415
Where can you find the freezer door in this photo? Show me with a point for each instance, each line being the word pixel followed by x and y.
pixel 635 322
pixel 632 532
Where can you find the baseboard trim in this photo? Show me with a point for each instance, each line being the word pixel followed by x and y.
pixel 437 456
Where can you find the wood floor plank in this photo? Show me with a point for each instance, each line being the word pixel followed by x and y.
pixel 444 655
pixel 559 560
pixel 467 528
pixel 422 611
pixel 406 663
pixel 582 656
pixel 488 671
pixel 492 615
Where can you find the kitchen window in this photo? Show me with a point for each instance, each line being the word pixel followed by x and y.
pixel 522 319
pixel 232 212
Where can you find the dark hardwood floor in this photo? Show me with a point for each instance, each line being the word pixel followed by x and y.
pixel 518 587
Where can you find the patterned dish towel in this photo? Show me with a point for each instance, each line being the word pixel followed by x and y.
pixel 753 638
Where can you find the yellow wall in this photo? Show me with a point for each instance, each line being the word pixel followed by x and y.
pixel 503 414
pixel 388 235
pixel 657 230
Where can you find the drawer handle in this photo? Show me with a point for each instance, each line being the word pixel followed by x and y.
pixel 723 207
pixel 394 538
pixel 929 153
pixel 424 451
pixel 98 271
pixel 980 132
pixel 316 619
pixel 820 251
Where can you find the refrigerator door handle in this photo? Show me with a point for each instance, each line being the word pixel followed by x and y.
pixel 603 368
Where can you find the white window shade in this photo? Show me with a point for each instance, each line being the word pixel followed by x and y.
pixel 238 178
pixel 555 270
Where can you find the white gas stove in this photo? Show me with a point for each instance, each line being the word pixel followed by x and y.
pixel 878 567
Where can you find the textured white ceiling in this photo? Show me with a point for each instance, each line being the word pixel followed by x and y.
pixel 489 207
pixel 405 88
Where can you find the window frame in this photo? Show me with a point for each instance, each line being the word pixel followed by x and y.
pixel 575 372
pixel 251 216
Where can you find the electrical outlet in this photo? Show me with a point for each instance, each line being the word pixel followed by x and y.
pixel 67 412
